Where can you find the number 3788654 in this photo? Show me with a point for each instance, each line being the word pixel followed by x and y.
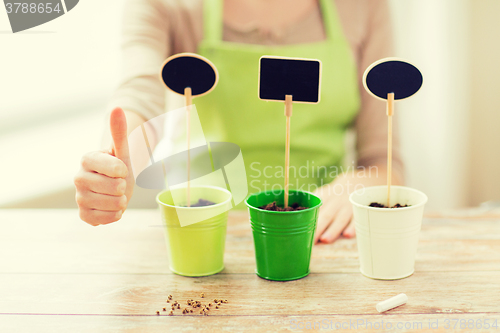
pixel 25 8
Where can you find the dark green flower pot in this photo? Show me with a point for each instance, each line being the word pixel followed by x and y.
pixel 283 240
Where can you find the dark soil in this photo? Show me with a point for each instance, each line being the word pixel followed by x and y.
pixel 202 203
pixel 377 205
pixel 274 207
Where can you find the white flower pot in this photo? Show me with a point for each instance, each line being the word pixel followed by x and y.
pixel 387 237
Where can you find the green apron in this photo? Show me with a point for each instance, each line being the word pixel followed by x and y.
pixel 232 112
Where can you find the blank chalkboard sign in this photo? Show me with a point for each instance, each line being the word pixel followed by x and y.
pixel 279 76
pixel 392 75
pixel 291 80
pixel 191 75
pixel 184 70
pixel 391 79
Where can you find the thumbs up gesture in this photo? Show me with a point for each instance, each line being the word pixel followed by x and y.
pixel 104 183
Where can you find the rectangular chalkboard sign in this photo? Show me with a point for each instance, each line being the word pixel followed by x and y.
pixel 279 76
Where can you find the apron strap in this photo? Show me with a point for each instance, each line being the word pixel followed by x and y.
pixel 212 20
pixel 331 20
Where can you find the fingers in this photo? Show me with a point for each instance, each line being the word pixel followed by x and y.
pixel 118 127
pixel 326 215
pixel 350 231
pixel 98 183
pixel 110 203
pixel 103 187
pixel 98 217
pixel 105 164
pixel 339 223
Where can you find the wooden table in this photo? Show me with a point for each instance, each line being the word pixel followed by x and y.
pixel 57 274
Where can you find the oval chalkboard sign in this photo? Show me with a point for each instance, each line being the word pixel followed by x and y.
pixel 184 70
pixel 392 75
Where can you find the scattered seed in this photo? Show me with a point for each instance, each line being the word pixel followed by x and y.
pixel 193 305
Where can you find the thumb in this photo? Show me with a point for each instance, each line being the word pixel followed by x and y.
pixel 118 127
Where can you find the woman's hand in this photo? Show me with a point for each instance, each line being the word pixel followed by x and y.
pixel 105 182
pixel 335 215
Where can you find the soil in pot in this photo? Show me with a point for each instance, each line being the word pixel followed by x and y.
pixel 202 203
pixel 274 207
pixel 378 205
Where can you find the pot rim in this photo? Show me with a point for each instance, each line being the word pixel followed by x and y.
pixel 378 209
pixel 283 212
pixel 225 202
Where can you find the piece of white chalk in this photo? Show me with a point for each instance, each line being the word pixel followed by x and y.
pixel 392 302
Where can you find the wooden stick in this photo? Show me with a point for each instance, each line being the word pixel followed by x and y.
pixel 390 112
pixel 150 151
pixel 164 174
pixel 147 144
pixel 288 114
pixel 188 95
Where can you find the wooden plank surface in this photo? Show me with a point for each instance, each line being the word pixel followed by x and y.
pixel 58 273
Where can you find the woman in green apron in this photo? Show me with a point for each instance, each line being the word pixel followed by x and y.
pixel 232 112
